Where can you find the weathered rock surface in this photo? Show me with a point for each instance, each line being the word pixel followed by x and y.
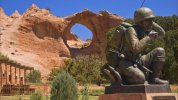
pixel 39 39
pixel 15 14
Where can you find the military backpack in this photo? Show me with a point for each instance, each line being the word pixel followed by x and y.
pixel 115 44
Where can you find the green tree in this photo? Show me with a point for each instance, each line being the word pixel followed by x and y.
pixel 54 72
pixel 64 87
pixel 3 57
pixel 168 22
pixel 171 69
pixel 34 76
pixel 86 68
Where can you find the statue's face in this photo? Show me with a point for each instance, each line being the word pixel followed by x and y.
pixel 147 24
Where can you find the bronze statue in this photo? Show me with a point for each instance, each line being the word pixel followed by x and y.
pixel 136 67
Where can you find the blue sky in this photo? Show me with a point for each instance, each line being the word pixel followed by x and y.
pixel 64 8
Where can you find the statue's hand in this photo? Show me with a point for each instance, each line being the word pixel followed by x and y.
pixel 153 34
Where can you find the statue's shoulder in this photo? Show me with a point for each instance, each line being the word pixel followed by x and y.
pixel 131 29
pixel 123 27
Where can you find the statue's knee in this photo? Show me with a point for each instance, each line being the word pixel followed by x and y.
pixel 137 78
pixel 140 78
pixel 159 54
pixel 159 51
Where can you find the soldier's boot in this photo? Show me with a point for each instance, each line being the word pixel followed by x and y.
pixel 114 76
pixel 154 77
pixel 111 77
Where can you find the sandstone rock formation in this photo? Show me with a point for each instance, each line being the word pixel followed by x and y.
pixel 39 39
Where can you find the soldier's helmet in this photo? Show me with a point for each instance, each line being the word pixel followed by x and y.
pixel 143 13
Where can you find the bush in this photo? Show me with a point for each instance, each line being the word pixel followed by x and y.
pixel 64 87
pixel 170 70
pixel 36 96
pixel 54 72
pixel 34 76
pixel 3 57
pixel 86 68
pixel 85 45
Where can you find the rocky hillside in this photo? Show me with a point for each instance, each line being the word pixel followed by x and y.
pixel 41 40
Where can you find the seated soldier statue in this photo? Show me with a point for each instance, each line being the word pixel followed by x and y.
pixel 136 67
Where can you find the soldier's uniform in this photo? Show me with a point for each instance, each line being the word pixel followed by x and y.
pixel 136 39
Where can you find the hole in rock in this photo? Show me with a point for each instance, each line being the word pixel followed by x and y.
pixel 80 36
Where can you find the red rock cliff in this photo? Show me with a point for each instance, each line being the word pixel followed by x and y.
pixel 39 39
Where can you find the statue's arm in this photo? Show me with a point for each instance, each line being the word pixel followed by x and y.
pixel 136 45
pixel 159 29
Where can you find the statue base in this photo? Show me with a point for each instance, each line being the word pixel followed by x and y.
pixel 163 88
pixel 139 92
pixel 140 96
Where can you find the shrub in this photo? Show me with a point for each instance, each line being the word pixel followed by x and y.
pixel 34 76
pixel 85 45
pixel 64 87
pixel 3 57
pixel 86 68
pixel 54 72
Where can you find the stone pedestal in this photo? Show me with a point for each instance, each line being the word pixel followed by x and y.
pixel 139 96
pixel 164 88
pixel 139 92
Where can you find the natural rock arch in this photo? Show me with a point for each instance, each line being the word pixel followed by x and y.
pixel 99 24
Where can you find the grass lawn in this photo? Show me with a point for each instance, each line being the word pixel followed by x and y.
pixel 93 94
pixel 174 91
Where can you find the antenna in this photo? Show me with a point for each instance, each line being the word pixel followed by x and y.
pixel 142 3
